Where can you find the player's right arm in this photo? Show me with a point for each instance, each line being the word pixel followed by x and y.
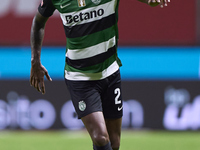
pixel 38 71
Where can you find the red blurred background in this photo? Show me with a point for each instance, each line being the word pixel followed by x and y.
pixel 139 24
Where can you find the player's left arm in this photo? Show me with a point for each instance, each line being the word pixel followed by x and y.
pixel 153 3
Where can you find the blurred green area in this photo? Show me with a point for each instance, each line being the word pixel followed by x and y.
pixel 80 140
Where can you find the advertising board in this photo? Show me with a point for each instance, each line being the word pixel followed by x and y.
pixel 170 105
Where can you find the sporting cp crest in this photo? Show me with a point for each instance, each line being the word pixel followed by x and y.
pixel 81 3
pixel 82 105
pixel 96 1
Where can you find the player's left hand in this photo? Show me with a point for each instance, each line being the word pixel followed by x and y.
pixel 162 3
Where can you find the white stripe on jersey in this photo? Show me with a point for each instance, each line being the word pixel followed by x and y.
pixel 91 51
pixel 92 76
pixel 109 8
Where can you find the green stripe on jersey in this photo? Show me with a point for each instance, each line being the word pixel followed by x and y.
pixel 92 39
pixel 95 68
pixel 67 6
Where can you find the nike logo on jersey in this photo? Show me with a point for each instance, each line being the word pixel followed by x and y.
pixel 63 6
pixel 120 108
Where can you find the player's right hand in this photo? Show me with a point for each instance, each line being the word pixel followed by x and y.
pixel 38 72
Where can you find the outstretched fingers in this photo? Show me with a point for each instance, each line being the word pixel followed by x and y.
pixel 38 72
pixel 38 81
pixel 161 2
pixel 47 75
pixel 42 86
pixel 38 84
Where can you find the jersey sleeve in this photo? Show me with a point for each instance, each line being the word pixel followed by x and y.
pixel 46 8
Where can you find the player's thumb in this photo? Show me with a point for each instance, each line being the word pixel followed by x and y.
pixel 47 76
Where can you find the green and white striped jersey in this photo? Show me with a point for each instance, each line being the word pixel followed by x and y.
pixel 92 34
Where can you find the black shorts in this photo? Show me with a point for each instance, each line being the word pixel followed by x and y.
pixel 99 95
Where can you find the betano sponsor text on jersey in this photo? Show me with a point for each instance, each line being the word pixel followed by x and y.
pixel 84 16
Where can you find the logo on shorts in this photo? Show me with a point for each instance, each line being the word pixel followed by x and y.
pixel 82 105
pixel 120 108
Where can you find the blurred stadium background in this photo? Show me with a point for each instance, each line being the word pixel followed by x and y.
pixel 160 52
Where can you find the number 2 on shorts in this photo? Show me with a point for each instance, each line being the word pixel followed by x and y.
pixel 117 91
